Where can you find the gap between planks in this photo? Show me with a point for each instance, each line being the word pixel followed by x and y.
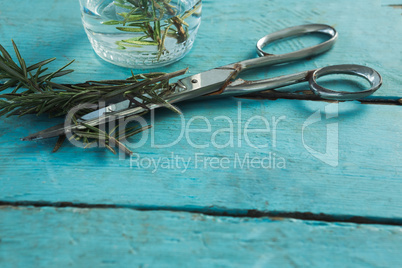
pixel 396 6
pixel 308 95
pixel 217 212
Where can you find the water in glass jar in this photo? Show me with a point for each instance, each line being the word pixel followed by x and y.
pixel 141 33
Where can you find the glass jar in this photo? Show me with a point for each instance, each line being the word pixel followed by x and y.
pixel 141 33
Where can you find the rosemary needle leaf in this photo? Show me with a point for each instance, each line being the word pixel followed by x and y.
pixel 20 59
pixel 40 64
pixel 111 22
pixel 5 54
pixel 141 43
pixel 132 133
pixel 9 83
pixel 34 92
pixel 59 143
pixel 95 129
pixel 11 71
pixel 59 72
pixel 111 149
pixel 130 29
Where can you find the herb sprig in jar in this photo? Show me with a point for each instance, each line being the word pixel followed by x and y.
pixel 149 33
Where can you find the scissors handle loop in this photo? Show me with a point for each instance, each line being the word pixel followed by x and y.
pixel 371 75
pixel 240 87
pixel 267 59
pixel 298 31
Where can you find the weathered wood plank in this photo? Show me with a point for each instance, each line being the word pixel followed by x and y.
pixel 370 34
pixel 366 181
pixel 49 237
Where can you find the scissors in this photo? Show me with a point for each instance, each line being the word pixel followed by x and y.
pixel 222 81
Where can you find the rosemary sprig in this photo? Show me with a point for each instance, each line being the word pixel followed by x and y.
pixel 145 20
pixel 34 92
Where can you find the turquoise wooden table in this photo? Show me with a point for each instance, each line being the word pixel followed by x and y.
pixel 298 182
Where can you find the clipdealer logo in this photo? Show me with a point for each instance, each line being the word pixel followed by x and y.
pixel 230 132
pixel 331 154
pixel 233 132
pixel 238 131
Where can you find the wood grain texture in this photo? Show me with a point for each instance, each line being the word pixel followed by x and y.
pixel 365 183
pixel 50 237
pixel 370 34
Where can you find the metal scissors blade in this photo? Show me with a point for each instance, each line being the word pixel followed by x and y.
pixel 184 89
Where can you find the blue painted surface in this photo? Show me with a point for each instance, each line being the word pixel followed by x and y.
pixel 126 238
pixel 366 181
pixel 305 184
